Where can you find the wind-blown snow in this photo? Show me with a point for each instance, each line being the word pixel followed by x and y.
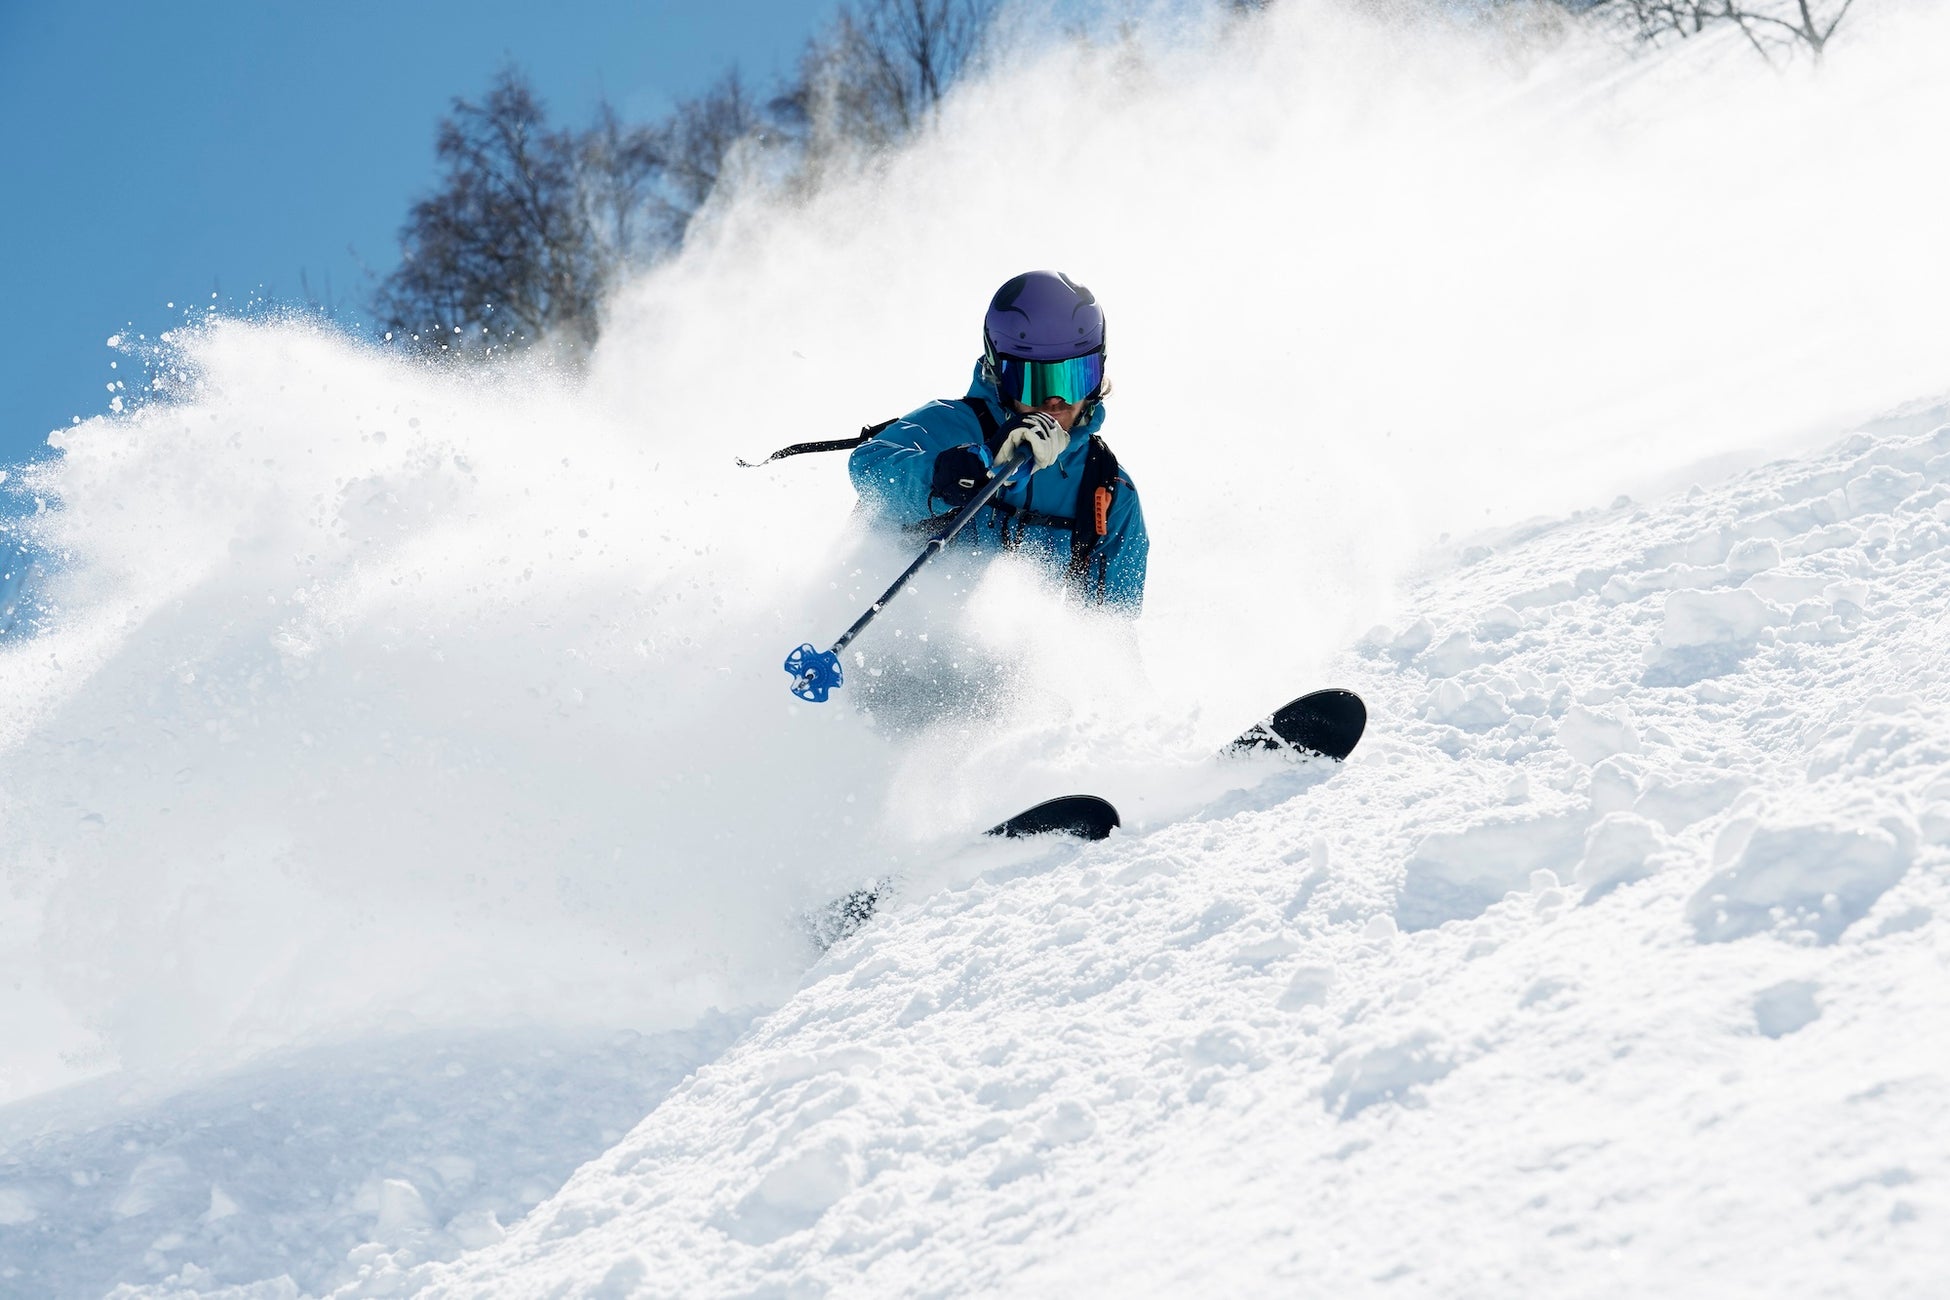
pixel 385 716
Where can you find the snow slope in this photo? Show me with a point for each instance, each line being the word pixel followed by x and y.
pixel 1611 965
pixel 293 1166
pixel 400 799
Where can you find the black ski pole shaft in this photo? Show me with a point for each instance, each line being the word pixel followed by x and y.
pixel 816 673
pixel 934 547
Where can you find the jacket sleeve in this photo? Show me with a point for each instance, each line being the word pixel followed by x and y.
pixel 1125 549
pixel 893 470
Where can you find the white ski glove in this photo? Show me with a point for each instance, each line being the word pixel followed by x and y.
pixel 1037 433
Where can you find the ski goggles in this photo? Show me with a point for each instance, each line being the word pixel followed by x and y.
pixel 1034 382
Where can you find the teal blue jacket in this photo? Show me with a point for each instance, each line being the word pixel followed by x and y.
pixel 894 470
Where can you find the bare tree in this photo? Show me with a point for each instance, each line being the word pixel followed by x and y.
pixel 1790 22
pixel 619 170
pixel 504 251
pixel 1772 27
pixel 530 225
pixel 699 139
pixel 883 67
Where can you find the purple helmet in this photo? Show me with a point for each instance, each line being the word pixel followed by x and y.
pixel 1043 337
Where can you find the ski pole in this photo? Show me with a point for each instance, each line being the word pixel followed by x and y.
pixel 816 673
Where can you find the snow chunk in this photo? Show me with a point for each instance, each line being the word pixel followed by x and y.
pixel 1402 646
pixel 1785 1007
pixel 1592 737
pixel 1072 1121
pixel 1309 988
pixel 1266 950
pixel 1830 537
pixel 1714 618
pixel 1453 875
pixel 1678 803
pixel 1615 785
pixel 794 1194
pixel 154 1182
pixel 1880 490
pixel 1394 1072
pixel 625 1278
pixel 1883 745
pixel 1225 1044
pixel 1455 653
pixel 192 1282
pixel 1498 622
pixel 1619 850
pixel 1755 555
pixel 222 1206
pixel 1817 878
pixel 402 1212
pixel 1706 633
pixel 1475 707
pixel 476 1229
pixel 16 1208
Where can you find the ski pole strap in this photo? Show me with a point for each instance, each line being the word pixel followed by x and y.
pixel 830 444
pixel 991 436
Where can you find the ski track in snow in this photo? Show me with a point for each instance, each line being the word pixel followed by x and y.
pixel 1610 964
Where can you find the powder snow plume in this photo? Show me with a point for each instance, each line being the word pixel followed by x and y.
pixel 375 695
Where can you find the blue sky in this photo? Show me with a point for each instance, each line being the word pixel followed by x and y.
pixel 158 153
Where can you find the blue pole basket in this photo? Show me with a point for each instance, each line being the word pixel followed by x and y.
pixel 815 673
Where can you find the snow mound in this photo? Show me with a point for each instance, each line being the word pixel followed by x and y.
pixel 1817 877
pixel 1545 976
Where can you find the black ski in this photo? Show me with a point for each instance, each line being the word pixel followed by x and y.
pixel 1083 815
pixel 1328 722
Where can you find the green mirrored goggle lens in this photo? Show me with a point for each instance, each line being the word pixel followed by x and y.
pixel 1034 382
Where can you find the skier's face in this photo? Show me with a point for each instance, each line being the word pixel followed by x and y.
pixel 1066 413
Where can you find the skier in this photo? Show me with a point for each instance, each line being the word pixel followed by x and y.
pixel 1038 391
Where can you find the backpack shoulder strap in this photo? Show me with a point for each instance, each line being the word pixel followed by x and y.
pixel 1092 522
pixel 991 431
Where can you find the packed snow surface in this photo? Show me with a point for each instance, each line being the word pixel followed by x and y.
pixel 408 837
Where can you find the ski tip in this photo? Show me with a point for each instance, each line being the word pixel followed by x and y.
pixel 1330 723
pixel 1084 816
